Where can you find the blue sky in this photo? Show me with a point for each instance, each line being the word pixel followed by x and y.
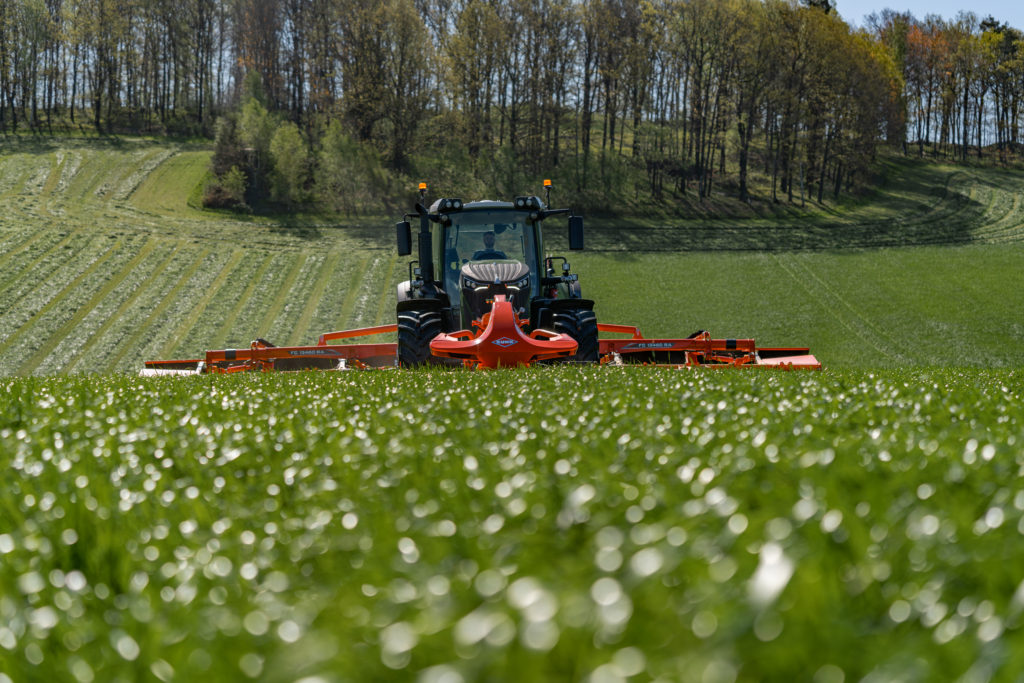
pixel 1012 13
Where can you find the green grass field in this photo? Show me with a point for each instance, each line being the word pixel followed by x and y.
pixel 103 263
pixel 585 524
pixel 640 524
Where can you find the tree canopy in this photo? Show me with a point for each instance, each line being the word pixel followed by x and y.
pixel 507 89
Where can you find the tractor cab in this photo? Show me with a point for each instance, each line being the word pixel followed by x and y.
pixel 470 252
pixel 488 248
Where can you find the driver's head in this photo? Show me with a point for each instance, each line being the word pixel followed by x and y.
pixel 489 240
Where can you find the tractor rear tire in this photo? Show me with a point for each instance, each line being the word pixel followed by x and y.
pixel 581 325
pixel 415 331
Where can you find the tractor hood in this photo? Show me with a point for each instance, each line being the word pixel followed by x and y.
pixel 507 272
pixel 480 281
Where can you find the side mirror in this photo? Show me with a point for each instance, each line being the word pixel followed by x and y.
pixel 575 232
pixel 404 231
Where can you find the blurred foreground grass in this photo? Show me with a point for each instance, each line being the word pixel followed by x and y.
pixel 550 524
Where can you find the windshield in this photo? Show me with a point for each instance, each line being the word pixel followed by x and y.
pixel 488 236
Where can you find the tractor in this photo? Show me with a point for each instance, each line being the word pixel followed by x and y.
pixel 484 293
pixel 469 253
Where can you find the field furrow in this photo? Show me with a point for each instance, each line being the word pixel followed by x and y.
pixel 89 183
pixel 56 264
pixel 11 172
pixel 338 282
pixel 285 325
pixel 1004 227
pixel 840 306
pixel 367 303
pixel 282 298
pixel 60 158
pixel 45 259
pixel 13 243
pixel 834 306
pixel 63 207
pixel 386 299
pixel 72 162
pixel 138 170
pixel 248 324
pixel 152 308
pixel 32 297
pixel 184 298
pixel 351 287
pixel 90 353
pixel 120 165
pixel 39 170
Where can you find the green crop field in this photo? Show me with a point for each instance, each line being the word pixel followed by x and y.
pixel 632 524
pixel 560 523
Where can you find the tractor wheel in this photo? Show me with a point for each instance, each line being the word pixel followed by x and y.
pixel 581 325
pixel 415 331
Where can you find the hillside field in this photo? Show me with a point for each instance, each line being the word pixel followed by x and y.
pixel 104 263
pixel 555 523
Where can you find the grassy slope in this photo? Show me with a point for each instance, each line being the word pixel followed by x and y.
pixel 104 263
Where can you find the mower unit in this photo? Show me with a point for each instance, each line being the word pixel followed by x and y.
pixel 483 293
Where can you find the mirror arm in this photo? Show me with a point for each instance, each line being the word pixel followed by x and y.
pixel 552 212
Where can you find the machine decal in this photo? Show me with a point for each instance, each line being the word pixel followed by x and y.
pixel 649 345
pixel 313 352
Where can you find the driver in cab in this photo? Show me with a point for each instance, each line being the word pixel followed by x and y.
pixel 488 252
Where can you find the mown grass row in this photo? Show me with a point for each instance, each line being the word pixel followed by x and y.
pixel 553 524
pixel 103 265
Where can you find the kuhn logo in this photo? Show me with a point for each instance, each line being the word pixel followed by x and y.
pixel 505 342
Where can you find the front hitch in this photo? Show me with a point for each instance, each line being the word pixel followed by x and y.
pixel 499 341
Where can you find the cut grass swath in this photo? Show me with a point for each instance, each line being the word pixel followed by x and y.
pixel 108 337
pixel 72 332
pixel 199 309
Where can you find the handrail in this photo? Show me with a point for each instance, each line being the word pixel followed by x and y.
pixel 360 332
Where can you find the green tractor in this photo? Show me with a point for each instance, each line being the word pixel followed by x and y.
pixel 467 254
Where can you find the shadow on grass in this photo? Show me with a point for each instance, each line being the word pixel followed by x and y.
pixel 915 203
pixel 26 143
pixel 952 220
pixel 371 233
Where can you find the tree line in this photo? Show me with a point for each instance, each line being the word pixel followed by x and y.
pixel 963 81
pixel 335 100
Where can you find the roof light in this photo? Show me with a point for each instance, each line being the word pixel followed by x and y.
pixel 449 204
